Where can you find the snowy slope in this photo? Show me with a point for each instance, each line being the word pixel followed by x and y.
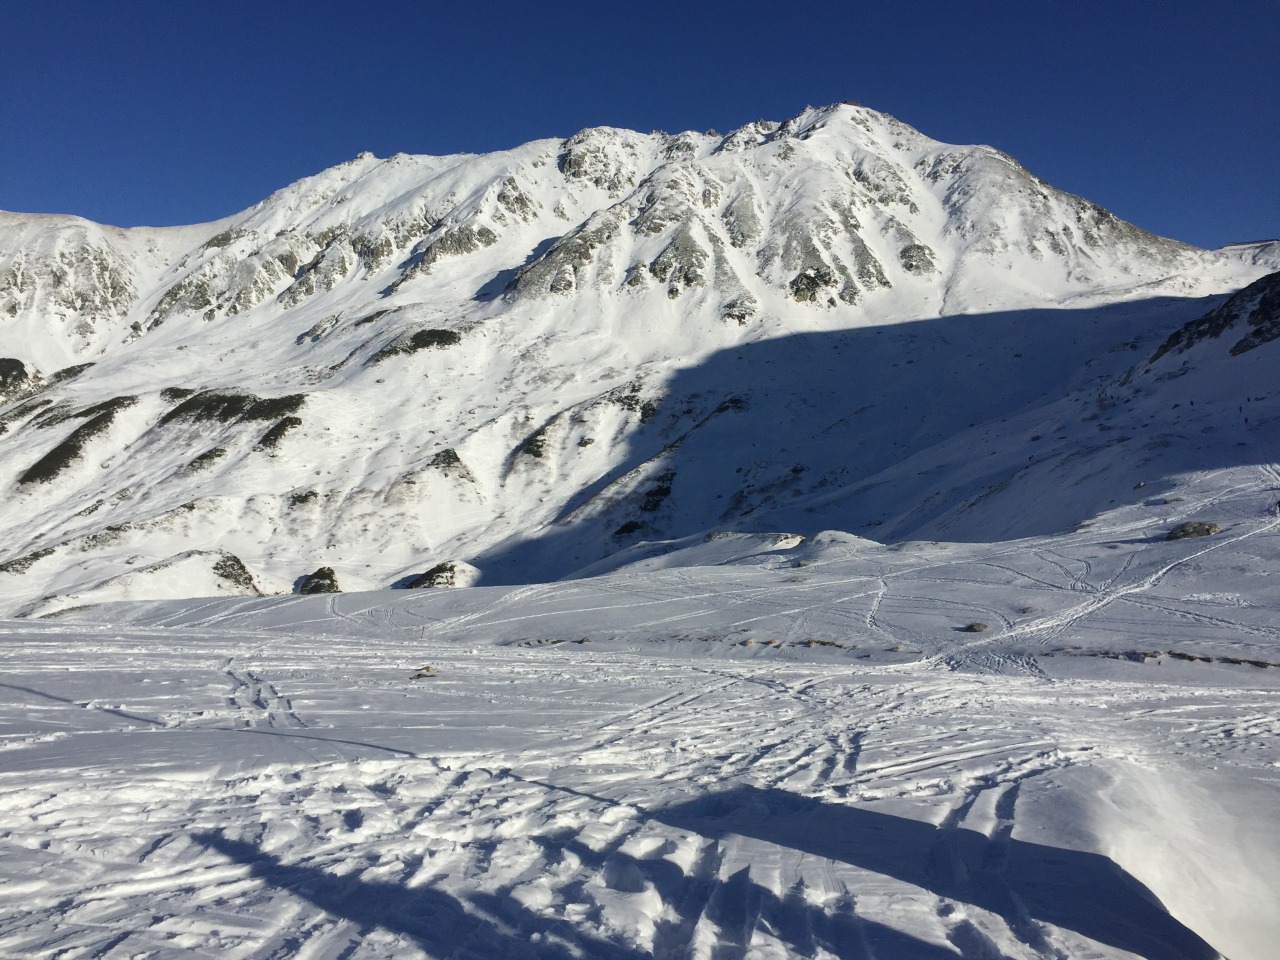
pixel 746 747
pixel 531 359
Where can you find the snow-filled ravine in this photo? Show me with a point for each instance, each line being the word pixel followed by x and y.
pixel 742 747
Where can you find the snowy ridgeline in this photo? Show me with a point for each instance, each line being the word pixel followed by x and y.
pixel 530 360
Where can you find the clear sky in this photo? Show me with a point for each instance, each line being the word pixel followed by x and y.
pixel 177 111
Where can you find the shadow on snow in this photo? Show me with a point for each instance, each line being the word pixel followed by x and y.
pixel 1026 884
pixel 946 428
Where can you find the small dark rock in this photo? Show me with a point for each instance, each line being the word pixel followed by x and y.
pixel 323 580
pixel 977 627
pixel 1193 528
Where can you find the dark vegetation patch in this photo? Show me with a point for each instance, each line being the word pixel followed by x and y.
pixel 534 445
pixel 276 432
pixel 20 412
pixel 68 373
pixel 174 394
pixel 22 564
pixel 58 413
pixel 225 407
pixel 230 568
pixel 658 493
pixel 63 413
pixel 377 314
pixel 298 499
pixel 418 340
pixel 324 580
pixel 205 460
pixel 628 528
pixel 68 451
pixel 448 457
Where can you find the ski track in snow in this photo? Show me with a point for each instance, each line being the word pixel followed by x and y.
pixel 225 792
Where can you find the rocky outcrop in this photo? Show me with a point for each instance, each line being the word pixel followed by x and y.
pixel 15 378
pixel 1193 528
pixel 324 580
pixel 1254 311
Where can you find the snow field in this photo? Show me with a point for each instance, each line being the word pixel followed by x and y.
pixel 263 778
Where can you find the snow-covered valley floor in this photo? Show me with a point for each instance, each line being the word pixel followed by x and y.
pixel 773 750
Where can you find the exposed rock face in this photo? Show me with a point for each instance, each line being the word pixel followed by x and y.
pixel 15 377
pixel 71 280
pixel 324 580
pixel 1254 311
pixel 230 568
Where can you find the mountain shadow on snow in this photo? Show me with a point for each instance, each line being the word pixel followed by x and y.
pixel 971 428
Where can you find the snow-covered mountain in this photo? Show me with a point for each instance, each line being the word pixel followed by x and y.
pixel 526 362
pixel 914 523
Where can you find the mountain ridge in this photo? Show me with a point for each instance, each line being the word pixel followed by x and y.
pixel 484 344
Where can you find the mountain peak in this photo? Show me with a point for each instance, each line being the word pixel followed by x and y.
pixel 443 358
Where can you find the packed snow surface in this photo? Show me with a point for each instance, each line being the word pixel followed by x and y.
pixel 755 747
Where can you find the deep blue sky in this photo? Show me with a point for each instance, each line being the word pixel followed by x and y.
pixel 170 111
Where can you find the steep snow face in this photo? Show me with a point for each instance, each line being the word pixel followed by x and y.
pixel 527 360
